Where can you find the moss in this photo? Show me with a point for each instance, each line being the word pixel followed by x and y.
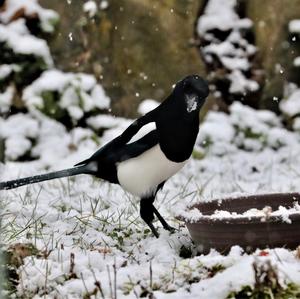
pixel 248 132
pixel 198 155
pixel 50 105
pixel 216 269
pixel 292 291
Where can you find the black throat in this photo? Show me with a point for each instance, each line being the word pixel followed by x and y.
pixel 177 126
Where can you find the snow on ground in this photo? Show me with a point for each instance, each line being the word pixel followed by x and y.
pixel 90 231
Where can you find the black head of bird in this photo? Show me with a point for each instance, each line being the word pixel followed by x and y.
pixel 143 164
pixel 192 91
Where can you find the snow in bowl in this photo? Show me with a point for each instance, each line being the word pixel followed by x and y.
pixel 256 221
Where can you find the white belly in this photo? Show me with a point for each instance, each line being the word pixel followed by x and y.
pixel 141 175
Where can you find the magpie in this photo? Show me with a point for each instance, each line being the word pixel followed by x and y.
pixel 151 150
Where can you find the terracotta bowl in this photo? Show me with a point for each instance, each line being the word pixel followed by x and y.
pixel 250 233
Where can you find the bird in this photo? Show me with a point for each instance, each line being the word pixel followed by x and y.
pixel 142 163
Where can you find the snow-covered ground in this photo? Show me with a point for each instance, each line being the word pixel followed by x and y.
pixel 93 239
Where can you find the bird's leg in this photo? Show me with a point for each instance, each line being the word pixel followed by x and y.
pixel 146 212
pixel 162 220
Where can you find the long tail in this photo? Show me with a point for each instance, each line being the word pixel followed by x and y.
pixel 43 177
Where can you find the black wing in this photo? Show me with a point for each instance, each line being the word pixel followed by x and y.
pixel 104 161
pixel 136 148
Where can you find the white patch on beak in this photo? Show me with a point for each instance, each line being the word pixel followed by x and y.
pixel 191 102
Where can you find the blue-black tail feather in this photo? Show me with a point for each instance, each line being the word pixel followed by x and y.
pixel 44 177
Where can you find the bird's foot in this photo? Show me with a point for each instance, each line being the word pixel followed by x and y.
pixel 164 223
pixel 170 228
pixel 153 229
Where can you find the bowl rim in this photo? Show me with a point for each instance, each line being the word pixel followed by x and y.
pixel 242 219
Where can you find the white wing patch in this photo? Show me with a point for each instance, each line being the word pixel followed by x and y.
pixel 144 130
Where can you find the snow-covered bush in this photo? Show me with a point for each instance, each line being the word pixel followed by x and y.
pixel 290 105
pixel 23 55
pixel 34 136
pixel 243 128
pixel 294 29
pixel 19 132
pixel 66 97
pixel 44 103
pixel 32 12
pixel 6 98
pixel 226 49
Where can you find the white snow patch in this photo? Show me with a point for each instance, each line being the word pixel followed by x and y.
pixel 6 99
pixel 240 84
pixel 291 105
pixel 5 70
pixel 104 4
pixel 90 7
pixel 25 44
pixel 147 105
pixel 297 61
pixel 294 26
pixel 29 7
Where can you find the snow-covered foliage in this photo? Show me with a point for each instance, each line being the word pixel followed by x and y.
pixel 13 39
pixel 23 56
pixel 290 105
pixel 244 128
pixel 225 47
pixel 30 133
pixel 29 9
pixel 6 99
pixel 59 94
pixel 32 137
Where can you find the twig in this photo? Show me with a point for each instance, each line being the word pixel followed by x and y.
pixel 115 278
pixel 86 289
pixel 46 279
pixel 151 279
pixel 98 284
pixel 109 281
